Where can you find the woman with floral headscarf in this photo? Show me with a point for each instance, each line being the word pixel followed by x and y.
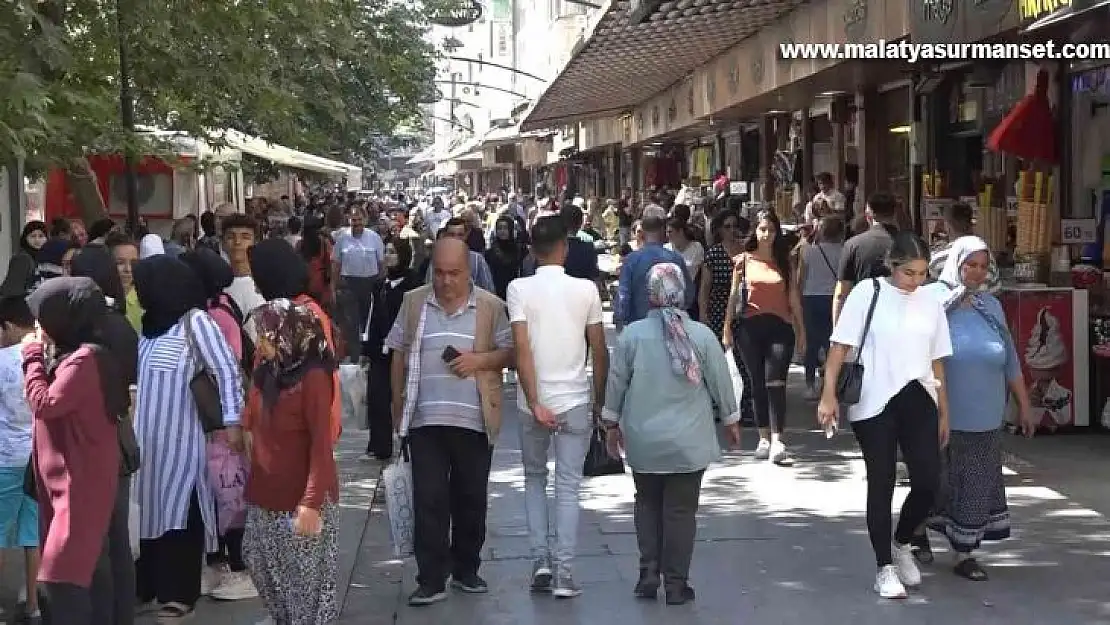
pixel 668 379
pixel 292 492
pixel 981 372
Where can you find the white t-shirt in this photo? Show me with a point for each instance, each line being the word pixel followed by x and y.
pixel 557 309
pixel 15 414
pixel 694 255
pixel 908 332
pixel 246 296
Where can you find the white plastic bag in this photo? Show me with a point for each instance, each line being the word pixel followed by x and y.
pixel 133 526
pixel 734 373
pixel 352 389
pixel 397 482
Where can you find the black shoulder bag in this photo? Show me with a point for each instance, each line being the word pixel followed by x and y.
pixel 849 381
pixel 203 386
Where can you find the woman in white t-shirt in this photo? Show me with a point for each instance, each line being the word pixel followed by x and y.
pixel 902 403
pixel 680 239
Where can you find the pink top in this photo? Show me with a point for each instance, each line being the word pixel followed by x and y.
pixel 76 461
pixel 228 326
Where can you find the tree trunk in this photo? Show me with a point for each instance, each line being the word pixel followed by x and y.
pixel 82 185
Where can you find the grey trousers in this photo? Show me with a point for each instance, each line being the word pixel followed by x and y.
pixel 666 506
pixel 119 555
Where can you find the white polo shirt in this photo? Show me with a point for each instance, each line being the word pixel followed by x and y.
pixel 557 309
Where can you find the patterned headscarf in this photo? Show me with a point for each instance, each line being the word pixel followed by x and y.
pixel 299 340
pixel 951 275
pixel 666 296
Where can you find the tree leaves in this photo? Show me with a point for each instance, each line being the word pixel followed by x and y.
pixel 324 76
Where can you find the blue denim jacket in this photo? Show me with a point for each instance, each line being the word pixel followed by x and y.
pixel 632 289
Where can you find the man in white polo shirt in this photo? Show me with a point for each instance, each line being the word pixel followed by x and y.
pixel 553 318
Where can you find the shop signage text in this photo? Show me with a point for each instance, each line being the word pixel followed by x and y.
pixel 463 14
pixel 1030 10
pixel 1078 231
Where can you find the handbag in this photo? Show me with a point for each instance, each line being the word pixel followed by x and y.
pixel 849 381
pixel 129 456
pixel 203 386
pixel 598 462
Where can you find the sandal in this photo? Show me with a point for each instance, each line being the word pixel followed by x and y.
pixel 174 612
pixel 922 550
pixel 970 569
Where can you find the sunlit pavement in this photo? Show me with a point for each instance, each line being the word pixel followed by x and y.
pixel 774 546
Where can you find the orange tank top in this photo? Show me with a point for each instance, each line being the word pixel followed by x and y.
pixel 766 289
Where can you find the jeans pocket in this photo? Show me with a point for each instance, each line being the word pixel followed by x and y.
pixel 576 421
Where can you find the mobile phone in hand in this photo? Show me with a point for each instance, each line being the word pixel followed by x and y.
pixel 450 353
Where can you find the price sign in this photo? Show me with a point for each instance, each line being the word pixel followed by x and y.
pixel 1011 206
pixel 934 207
pixel 1078 231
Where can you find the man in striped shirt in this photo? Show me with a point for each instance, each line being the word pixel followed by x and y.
pixel 958 223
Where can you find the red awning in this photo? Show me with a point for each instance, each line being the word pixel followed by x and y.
pixel 1029 130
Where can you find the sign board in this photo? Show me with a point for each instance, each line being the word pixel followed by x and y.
pixel 1078 231
pixel 1011 206
pixel 737 187
pixel 464 13
pixel 933 207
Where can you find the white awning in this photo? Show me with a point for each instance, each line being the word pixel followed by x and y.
pixel 510 134
pixel 289 157
pixel 427 155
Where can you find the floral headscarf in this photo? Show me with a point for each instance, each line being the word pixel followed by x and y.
pixel 298 337
pixel 666 296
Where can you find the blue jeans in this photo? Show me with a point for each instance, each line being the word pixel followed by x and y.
pixel 572 440
pixel 817 318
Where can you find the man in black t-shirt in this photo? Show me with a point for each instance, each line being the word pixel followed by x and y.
pixel 864 255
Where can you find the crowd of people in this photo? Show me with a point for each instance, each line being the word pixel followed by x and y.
pixel 179 373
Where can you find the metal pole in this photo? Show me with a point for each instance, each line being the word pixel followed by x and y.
pixel 127 117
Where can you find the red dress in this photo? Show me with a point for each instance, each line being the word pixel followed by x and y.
pixel 76 461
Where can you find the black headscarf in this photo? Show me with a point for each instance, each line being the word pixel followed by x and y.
pixel 214 272
pixel 278 270
pixel 167 288
pixel 70 311
pixel 31 226
pixel 510 247
pixel 96 262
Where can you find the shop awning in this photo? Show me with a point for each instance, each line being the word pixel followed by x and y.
pixel 288 157
pixel 617 64
pixel 467 146
pixel 423 157
pixel 1068 11
pixel 510 134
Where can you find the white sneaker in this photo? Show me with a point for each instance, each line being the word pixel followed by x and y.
pixel 210 578
pixel 235 586
pixel 906 564
pixel 888 585
pixel 763 450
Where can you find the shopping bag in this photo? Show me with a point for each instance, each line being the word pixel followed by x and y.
pixel 598 461
pixel 737 377
pixel 227 475
pixel 397 482
pixel 352 388
pixel 133 521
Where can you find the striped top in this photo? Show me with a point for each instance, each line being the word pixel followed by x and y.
pixel 444 398
pixel 168 428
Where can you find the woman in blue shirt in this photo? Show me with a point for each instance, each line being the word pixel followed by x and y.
pixel 982 370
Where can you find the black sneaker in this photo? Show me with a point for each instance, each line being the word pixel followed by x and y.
pixel 680 596
pixel 470 583
pixel 425 595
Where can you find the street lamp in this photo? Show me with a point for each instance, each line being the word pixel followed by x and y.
pixel 127 117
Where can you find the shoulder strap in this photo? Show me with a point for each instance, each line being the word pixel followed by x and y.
pixel 823 255
pixel 870 313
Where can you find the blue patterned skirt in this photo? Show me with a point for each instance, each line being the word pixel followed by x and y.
pixel 972 506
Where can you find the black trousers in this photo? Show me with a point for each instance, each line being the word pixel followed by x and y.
pixel 122 562
pixel 169 566
pixel 353 300
pixel 766 344
pixel 229 551
pixel 379 407
pixel 450 483
pixel 909 422
pixel 665 516
pixel 69 604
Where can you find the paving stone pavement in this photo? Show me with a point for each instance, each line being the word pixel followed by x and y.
pixel 774 546
pixel 358 481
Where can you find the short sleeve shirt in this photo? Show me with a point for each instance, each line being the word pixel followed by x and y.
pixel 864 255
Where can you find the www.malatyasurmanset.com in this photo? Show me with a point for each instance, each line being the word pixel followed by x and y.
pixel 915 52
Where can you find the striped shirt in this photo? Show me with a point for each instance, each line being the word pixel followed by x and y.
pixel 940 257
pixel 168 428
pixel 444 398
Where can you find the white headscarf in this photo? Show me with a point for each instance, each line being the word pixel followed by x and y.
pixel 151 245
pixel 950 277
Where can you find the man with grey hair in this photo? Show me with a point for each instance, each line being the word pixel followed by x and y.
pixel 450 342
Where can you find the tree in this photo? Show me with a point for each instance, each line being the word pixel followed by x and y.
pixel 323 76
